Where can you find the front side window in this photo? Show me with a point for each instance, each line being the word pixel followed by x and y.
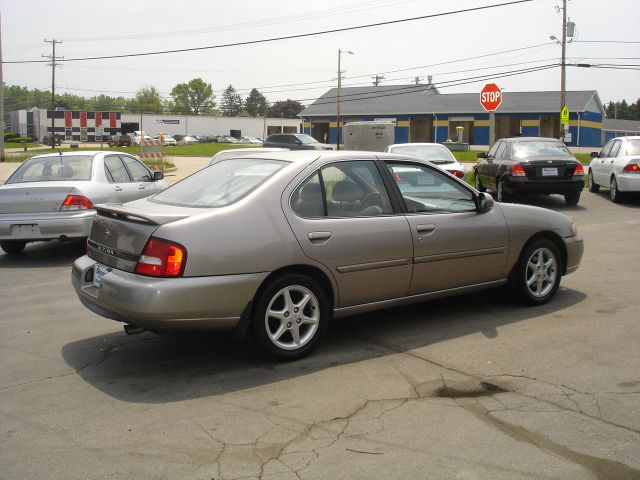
pixel 114 169
pixel 494 149
pixel 606 150
pixel 220 184
pixel 501 149
pixel 138 172
pixel 616 148
pixel 425 190
pixel 343 189
pixel 53 168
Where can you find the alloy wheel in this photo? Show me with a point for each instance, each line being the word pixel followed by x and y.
pixel 541 272
pixel 292 317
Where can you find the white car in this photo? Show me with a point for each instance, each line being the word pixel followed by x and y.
pixel 242 152
pixel 167 140
pixel 616 167
pixel 137 135
pixel 189 140
pixel 250 140
pixel 435 153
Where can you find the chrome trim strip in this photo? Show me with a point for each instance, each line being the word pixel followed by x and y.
pixel 372 265
pixel 468 253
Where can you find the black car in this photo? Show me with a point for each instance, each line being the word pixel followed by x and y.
pixel 530 165
pixel 46 139
pixel 295 141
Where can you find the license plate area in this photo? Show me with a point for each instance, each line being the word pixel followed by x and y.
pixel 25 230
pixel 549 171
pixel 99 271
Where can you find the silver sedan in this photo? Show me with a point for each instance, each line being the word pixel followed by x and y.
pixel 273 245
pixel 432 152
pixel 53 196
pixel 616 167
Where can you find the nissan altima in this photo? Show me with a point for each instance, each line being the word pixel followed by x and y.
pixel 275 244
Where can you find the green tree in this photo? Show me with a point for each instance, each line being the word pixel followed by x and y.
pixel 231 102
pixel 256 104
pixel 194 97
pixel 285 108
pixel 147 100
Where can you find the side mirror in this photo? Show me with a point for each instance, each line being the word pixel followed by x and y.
pixel 485 202
pixel 595 154
pixel 157 176
pixel 482 155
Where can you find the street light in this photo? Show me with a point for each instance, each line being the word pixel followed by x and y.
pixel 340 52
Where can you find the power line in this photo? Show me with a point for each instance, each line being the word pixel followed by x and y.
pixel 287 37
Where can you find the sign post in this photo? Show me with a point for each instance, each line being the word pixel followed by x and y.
pixel 490 99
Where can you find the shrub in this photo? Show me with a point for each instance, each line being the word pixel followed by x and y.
pixel 9 136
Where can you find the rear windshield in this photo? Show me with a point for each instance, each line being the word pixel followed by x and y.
pixel 220 184
pixel 540 149
pixel 431 153
pixel 633 147
pixel 56 168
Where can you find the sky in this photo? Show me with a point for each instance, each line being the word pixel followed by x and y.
pixel 451 48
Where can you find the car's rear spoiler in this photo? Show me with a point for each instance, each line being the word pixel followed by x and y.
pixel 136 215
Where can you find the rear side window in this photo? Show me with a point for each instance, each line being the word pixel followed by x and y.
pixel 53 168
pixel 114 169
pixel 220 184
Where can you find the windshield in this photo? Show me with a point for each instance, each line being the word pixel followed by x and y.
pixel 53 168
pixel 432 153
pixel 306 138
pixel 220 184
pixel 540 149
pixel 633 147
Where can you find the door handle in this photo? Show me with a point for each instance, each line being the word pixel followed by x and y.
pixel 319 237
pixel 430 227
pixel 141 187
pixel 611 161
pixel 118 188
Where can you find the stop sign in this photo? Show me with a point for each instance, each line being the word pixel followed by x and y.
pixel 490 97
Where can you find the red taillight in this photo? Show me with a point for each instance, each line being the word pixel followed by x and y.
pixel 76 202
pixel 457 173
pixel 579 170
pixel 517 170
pixel 631 168
pixel 162 258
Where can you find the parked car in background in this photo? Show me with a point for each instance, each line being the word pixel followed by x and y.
pixel 177 137
pixel 228 139
pixel 47 139
pixel 250 140
pixel 435 153
pixel 243 152
pixel 53 196
pixel 295 141
pixel 322 234
pixel 167 140
pixel 616 167
pixel 530 165
pixel 187 140
pixel 137 137
pixel 203 138
pixel 119 141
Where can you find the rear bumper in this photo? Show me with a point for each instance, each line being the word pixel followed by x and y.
pixel 163 304
pixel 524 185
pixel 628 182
pixel 46 226
pixel 575 249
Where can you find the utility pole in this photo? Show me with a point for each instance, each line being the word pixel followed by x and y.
pixel 377 79
pixel 53 88
pixel 340 52
pixel 563 72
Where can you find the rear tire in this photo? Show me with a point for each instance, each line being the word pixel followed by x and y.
pixel 538 272
pixel 614 194
pixel 501 195
pixel 572 198
pixel 290 317
pixel 13 247
pixel 593 186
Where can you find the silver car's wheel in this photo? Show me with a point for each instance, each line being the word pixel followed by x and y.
pixel 614 193
pixel 538 272
pixel 290 317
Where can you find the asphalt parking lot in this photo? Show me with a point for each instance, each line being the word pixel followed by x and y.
pixel 470 387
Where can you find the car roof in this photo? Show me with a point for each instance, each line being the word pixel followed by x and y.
pixel 417 144
pixel 309 156
pixel 531 139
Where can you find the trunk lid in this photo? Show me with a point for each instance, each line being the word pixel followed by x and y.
pixel 35 197
pixel 549 169
pixel 120 232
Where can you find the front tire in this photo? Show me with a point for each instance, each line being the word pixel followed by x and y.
pixel 479 186
pixel 593 186
pixel 290 317
pixel 13 247
pixel 538 272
